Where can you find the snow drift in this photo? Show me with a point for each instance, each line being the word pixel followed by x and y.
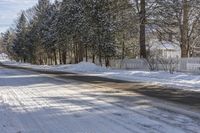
pixel 176 80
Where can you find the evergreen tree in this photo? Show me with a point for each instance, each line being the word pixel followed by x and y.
pixel 19 42
pixel 7 43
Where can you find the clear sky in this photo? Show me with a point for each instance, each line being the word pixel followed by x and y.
pixel 9 10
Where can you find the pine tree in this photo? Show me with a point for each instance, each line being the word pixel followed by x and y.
pixel 38 28
pixel 19 42
pixel 7 43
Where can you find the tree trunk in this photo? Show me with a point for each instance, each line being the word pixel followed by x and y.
pixel 123 50
pixel 107 62
pixel 184 30
pixel 86 54
pixel 75 53
pixel 64 57
pixel 55 57
pixel 93 58
pixel 60 57
pixel 100 59
pixel 100 56
pixel 80 52
pixel 143 53
pixel 51 61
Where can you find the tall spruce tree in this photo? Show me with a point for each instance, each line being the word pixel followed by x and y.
pixel 19 42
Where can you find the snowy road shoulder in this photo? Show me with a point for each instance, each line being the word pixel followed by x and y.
pixel 176 80
pixel 32 103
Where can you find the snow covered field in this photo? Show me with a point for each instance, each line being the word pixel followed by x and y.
pixel 35 103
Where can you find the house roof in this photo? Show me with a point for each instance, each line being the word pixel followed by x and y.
pixel 163 45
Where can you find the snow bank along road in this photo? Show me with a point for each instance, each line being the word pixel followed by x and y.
pixel 183 96
pixel 37 103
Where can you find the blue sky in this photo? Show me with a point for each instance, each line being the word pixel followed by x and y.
pixel 10 9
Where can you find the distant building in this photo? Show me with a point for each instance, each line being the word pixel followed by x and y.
pixel 165 49
pixel 195 52
pixel 195 47
pixel 3 57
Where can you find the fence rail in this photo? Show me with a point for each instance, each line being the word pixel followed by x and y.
pixel 191 65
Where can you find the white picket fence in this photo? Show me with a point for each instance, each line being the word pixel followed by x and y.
pixel 137 64
pixel 191 65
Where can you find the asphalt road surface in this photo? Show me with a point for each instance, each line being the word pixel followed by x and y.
pixel 188 98
pixel 31 102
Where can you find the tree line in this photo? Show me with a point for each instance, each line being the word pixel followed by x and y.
pixel 70 31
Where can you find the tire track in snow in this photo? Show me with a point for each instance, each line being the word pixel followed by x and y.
pixel 108 113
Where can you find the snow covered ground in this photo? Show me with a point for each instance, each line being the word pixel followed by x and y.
pixel 176 80
pixel 36 103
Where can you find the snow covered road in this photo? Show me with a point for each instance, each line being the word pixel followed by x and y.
pixel 36 103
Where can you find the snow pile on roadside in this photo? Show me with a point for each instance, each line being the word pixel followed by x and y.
pixel 85 67
pixel 80 67
pixel 4 57
pixel 176 80
pixel 60 67
pixel 26 65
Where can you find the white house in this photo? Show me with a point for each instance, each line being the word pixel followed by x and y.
pixel 166 49
pixel 3 57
